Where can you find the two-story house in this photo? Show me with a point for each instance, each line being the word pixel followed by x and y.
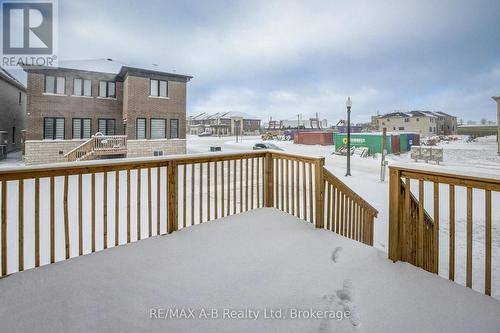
pixel 426 123
pixel 143 108
pixel 12 112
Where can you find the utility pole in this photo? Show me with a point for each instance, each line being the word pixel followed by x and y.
pixel 383 162
pixel 348 104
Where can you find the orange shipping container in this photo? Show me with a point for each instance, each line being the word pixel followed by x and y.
pixel 313 138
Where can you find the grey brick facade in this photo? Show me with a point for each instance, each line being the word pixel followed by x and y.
pixel 12 111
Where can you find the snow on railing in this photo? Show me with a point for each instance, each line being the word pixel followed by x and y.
pixel 417 238
pixel 50 213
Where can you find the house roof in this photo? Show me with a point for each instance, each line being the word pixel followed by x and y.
pixel 7 77
pixel 109 66
pixel 415 113
pixel 224 115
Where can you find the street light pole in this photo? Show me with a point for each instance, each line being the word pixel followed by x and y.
pixel 348 104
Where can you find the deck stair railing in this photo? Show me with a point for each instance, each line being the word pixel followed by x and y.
pixel 414 234
pixel 50 213
pixel 98 145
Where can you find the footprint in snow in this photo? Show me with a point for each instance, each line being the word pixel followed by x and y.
pixel 336 254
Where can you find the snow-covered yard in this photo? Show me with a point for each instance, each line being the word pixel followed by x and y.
pixel 262 260
pixel 469 158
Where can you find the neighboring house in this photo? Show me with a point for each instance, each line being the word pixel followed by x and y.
pixel 223 123
pixel 12 112
pixel 427 123
pixel 69 104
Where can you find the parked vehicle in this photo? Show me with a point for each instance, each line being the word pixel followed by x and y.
pixel 259 146
pixel 205 134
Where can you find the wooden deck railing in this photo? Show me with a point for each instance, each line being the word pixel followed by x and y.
pixel 55 212
pixel 414 236
pixel 98 145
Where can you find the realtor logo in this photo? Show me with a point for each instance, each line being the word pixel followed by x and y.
pixel 28 33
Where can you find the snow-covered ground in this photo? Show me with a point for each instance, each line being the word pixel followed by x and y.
pixel 471 158
pixel 262 260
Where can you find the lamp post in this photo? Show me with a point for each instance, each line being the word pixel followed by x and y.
pixel 348 104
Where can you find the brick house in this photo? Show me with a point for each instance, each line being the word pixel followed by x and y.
pixel 426 123
pixel 12 112
pixel 69 104
pixel 223 123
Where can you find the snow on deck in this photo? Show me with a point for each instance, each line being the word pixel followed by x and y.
pixel 262 259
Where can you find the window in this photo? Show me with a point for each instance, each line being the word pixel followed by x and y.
pixel 107 89
pixel 158 153
pixel 20 98
pixel 157 129
pixel 159 88
pixel 13 135
pixel 81 128
pixel 107 126
pixel 430 129
pixel 401 128
pixel 407 120
pixel 394 128
pixel 140 128
pixel 54 85
pixel 82 87
pixel 418 119
pixel 53 128
pixel 174 128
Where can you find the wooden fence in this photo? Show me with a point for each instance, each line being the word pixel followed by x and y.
pixel 414 234
pixel 53 213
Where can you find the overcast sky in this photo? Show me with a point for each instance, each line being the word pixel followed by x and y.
pixel 280 58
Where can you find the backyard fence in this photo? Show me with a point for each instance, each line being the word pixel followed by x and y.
pixel 52 213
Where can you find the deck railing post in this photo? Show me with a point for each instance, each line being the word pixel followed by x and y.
pixel 320 193
pixel 172 189
pixel 269 181
pixel 394 206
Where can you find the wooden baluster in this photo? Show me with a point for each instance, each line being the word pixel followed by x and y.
pixel 319 193
pixel 92 208
pixel 200 189
pixel 436 228
pixel 258 182
pixel 37 222
pixel 394 204
pixel 192 194
pixel 66 216
pixel 311 200
pixel 334 226
pixel 172 201
pixel 469 238
pixel 138 210
pixel 128 205
pixel 208 192
pixel 282 184
pixel 80 217
pixel 338 212
pixel 184 181
pixel 406 220
pixel 421 221
pixel 105 211
pixel 21 225
pixel 328 205
pixel 487 244
pixel 150 205
pixel 117 208
pixel 297 189
pixel 451 269
pixel 216 192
